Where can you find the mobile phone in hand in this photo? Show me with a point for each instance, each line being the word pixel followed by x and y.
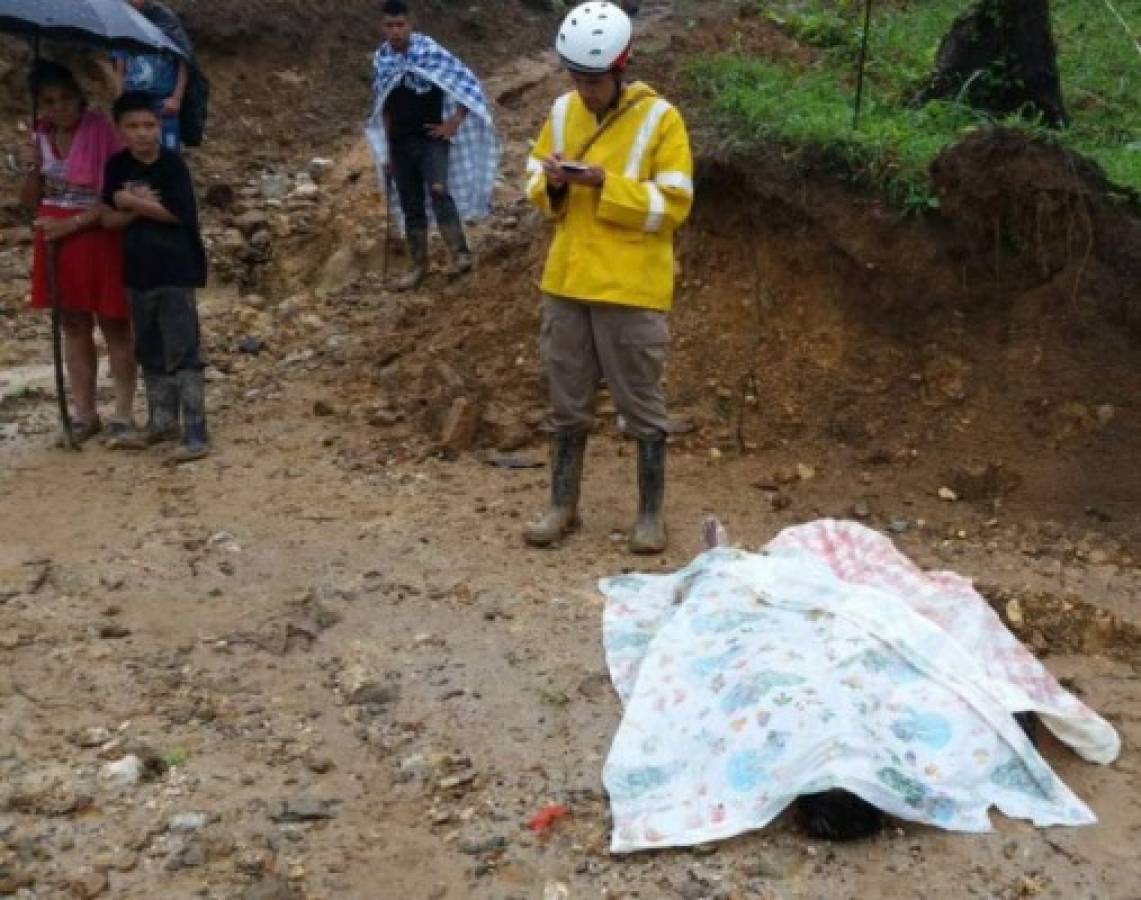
pixel 575 168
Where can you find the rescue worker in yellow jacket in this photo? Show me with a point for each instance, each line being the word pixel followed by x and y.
pixel 612 169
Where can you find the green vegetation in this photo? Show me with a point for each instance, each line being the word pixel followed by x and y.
pixel 810 105
pixel 175 758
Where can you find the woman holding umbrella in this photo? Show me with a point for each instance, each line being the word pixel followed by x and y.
pixel 64 165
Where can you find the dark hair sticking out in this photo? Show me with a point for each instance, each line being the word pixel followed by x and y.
pixel 133 101
pixel 46 74
pixel 394 8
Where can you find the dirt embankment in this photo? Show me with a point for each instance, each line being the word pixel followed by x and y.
pixel 999 335
pixel 991 347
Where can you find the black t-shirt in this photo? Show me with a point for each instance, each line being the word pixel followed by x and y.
pixel 158 254
pixel 409 112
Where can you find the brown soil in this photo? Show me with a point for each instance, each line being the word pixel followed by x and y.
pixel 336 606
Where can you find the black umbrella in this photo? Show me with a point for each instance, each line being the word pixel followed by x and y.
pixel 113 24
pixel 109 23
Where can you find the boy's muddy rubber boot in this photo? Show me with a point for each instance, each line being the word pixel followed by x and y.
pixel 162 415
pixel 192 397
pixel 649 532
pixel 418 250
pixel 456 239
pixel 568 448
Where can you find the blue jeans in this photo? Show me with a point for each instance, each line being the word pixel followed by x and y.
pixel 171 133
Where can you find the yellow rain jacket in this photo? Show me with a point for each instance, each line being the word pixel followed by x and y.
pixel 615 244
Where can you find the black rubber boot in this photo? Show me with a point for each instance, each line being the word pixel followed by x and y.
pixel 162 415
pixel 456 239
pixel 192 399
pixel 568 449
pixel 418 251
pixel 649 532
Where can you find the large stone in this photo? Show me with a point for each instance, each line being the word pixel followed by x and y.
pixel 305 809
pixel 460 427
pixel 231 240
pixel 318 168
pixel 220 196
pixel 13 878
pixel 123 772
pixel 95 736
pixel 89 884
pixel 273 887
pixel 306 191
pixel 945 380
pixel 53 791
pixel 360 687
pixel 188 821
pixel 274 186
pixel 980 482
pixel 251 222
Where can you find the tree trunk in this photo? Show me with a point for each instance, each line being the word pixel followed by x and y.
pixel 999 56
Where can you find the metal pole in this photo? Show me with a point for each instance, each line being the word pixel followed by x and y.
pixel 51 259
pixel 51 263
pixel 863 59
pixel 387 221
pixel 35 93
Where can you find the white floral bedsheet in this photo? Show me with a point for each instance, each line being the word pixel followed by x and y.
pixel 828 660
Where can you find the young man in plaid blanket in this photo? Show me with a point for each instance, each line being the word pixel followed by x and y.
pixel 432 134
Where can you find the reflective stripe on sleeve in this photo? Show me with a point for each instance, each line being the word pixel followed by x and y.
pixel 677 180
pixel 559 123
pixel 657 208
pixel 649 125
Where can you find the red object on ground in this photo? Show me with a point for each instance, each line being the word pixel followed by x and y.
pixel 542 821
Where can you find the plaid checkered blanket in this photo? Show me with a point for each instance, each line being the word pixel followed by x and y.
pixel 474 158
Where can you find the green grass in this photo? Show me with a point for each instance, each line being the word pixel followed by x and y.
pixel 811 105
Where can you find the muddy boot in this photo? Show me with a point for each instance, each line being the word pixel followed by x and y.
pixel 649 532
pixel 418 250
pixel 567 451
pixel 192 399
pixel 162 415
pixel 454 237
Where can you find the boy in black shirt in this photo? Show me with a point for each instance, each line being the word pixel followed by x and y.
pixel 150 194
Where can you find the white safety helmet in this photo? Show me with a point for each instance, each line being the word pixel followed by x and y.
pixel 595 38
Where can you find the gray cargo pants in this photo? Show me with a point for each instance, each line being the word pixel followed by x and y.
pixel 167 336
pixel 581 343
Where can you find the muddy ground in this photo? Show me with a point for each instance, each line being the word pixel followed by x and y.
pixel 345 675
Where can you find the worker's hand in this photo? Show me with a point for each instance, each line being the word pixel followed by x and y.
pixel 29 156
pixel 171 106
pixel 446 130
pixel 556 177
pixel 55 229
pixel 594 176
